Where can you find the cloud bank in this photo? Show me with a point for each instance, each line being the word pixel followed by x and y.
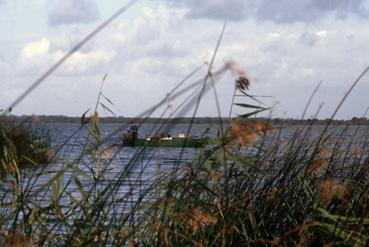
pixel 66 12
pixel 286 52
pixel 278 11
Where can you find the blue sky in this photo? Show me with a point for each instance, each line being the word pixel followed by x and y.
pixel 286 47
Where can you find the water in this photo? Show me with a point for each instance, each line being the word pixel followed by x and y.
pixel 69 141
pixel 131 169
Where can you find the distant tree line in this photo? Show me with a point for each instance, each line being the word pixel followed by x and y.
pixel 60 119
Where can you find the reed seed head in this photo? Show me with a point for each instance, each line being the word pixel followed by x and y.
pixel 17 240
pixel 245 133
pixel 197 219
pixel 232 66
pixel 330 189
pixel 316 166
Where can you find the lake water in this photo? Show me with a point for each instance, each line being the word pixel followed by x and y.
pixel 138 166
pixel 130 169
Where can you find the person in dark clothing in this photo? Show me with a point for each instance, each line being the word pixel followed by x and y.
pixel 133 132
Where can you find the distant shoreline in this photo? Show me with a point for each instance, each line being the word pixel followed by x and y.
pixel 59 119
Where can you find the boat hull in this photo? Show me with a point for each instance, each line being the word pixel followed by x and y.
pixel 172 143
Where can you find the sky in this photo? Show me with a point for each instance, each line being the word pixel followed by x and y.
pixel 285 46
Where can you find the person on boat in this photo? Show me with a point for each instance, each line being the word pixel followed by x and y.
pixel 165 136
pixel 133 132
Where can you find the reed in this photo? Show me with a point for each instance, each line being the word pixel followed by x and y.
pixel 23 144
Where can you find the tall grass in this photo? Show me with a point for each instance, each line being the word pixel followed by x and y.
pixel 23 143
pixel 280 195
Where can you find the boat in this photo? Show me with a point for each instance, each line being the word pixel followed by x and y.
pixel 190 142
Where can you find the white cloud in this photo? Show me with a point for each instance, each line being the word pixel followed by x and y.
pixel 72 11
pixel 36 48
pixel 38 56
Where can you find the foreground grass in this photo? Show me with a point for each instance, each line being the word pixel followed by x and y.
pixel 239 191
pixel 22 144
pixel 296 194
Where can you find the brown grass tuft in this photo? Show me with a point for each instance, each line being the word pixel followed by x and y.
pixel 330 189
pixel 17 240
pixel 247 132
pixel 197 219
pixel 357 152
pixel 316 166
